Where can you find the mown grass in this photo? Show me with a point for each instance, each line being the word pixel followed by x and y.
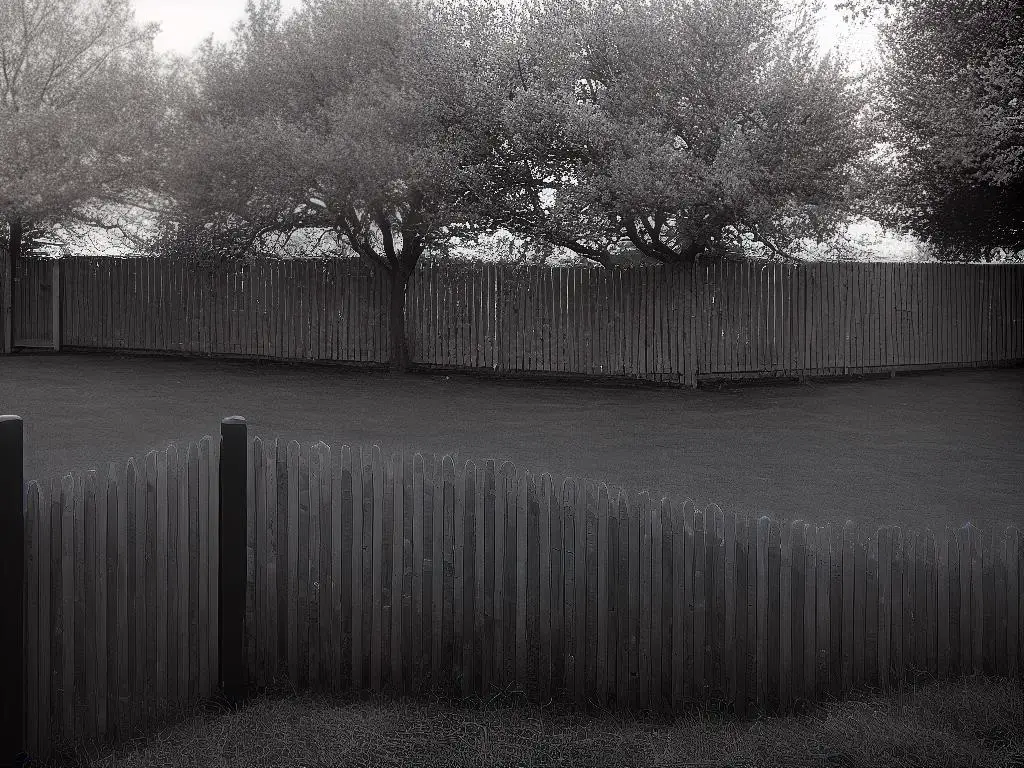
pixel 922 451
pixel 968 723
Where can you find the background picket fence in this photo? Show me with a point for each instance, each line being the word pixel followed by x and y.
pixel 720 320
pixel 409 573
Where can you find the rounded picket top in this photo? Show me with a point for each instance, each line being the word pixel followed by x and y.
pixel 622 503
pixel 568 489
pixel 714 519
pixel 447 467
pixel 507 468
pixel 700 521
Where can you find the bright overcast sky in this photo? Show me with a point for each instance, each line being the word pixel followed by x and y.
pixel 186 23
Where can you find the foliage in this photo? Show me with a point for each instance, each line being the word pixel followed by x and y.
pixel 236 240
pixel 952 95
pixel 362 117
pixel 79 101
pixel 368 118
pixel 675 129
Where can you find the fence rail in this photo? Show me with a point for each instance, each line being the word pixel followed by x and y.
pixel 410 572
pixel 721 320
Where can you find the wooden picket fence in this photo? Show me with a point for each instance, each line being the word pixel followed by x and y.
pixel 413 573
pixel 719 320
pixel 121 596
pixel 34 312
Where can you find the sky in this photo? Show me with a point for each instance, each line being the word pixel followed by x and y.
pixel 186 23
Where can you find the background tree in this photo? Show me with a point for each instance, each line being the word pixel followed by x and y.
pixel 952 99
pixel 368 118
pixel 79 100
pixel 675 128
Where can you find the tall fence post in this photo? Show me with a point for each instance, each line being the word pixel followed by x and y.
pixel 55 297
pixel 12 590
pixel 6 303
pixel 232 570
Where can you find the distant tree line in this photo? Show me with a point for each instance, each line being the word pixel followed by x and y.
pixel 665 130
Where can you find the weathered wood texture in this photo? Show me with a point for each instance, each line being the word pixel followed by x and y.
pixel 32 306
pixel 719 320
pixel 105 657
pixel 405 572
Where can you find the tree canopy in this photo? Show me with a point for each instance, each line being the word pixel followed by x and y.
pixel 675 128
pixel 952 97
pixel 369 118
pixel 79 98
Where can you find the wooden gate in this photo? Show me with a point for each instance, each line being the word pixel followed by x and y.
pixel 36 302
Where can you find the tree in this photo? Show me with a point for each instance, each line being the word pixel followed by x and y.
pixel 369 118
pixel 79 96
pixel 952 97
pixel 677 129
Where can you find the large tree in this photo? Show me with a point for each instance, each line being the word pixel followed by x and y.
pixel 675 128
pixel 952 97
pixel 369 118
pixel 79 99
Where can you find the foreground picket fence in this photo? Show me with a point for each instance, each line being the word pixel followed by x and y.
pixel 412 572
pixel 718 320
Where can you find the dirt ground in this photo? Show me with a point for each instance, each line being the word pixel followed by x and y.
pixel 919 450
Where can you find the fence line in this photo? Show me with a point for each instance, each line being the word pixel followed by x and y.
pixel 410 572
pixel 720 320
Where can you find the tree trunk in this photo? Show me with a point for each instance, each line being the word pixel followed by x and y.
pixel 400 360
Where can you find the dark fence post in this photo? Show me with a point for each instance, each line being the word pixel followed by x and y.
pixel 232 572
pixel 12 590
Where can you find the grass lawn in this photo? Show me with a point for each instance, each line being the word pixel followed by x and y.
pixel 922 450
pixel 966 724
